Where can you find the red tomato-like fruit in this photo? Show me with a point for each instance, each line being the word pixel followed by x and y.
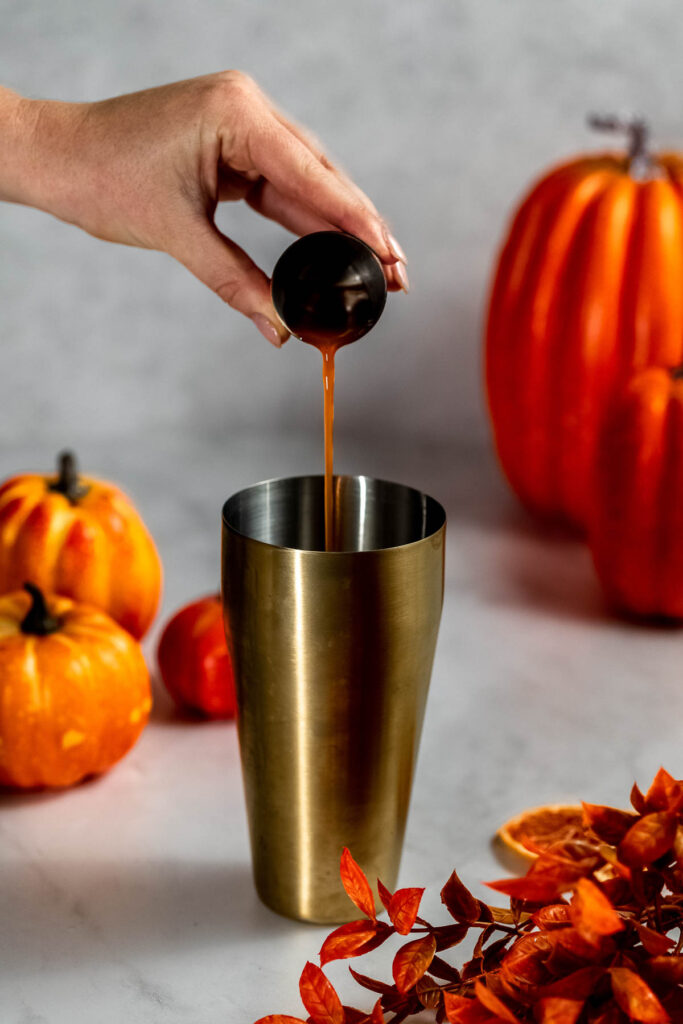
pixel 194 661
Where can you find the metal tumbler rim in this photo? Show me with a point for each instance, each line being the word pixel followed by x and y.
pixel 437 512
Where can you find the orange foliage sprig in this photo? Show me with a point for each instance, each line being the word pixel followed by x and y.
pixel 593 934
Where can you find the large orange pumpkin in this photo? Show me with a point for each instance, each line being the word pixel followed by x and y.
pixel 74 690
pixel 82 538
pixel 636 534
pixel 589 286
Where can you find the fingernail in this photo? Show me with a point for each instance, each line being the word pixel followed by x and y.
pixel 268 329
pixel 394 248
pixel 402 276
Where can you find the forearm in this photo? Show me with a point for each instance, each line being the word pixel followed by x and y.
pixel 37 152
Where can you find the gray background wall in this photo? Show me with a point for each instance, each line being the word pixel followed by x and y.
pixel 443 110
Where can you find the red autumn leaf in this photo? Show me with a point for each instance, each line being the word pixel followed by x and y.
pixel 449 935
pixel 539 886
pixel 609 824
pixel 552 916
pixel 280 1018
pixel 638 800
pixel 571 942
pixel 678 847
pixel 610 855
pixel 403 909
pixel 428 992
pixel 610 1014
pixel 653 942
pixel 648 839
pixel 523 968
pixel 665 793
pixel 492 1003
pixel 319 997
pixel 412 961
pixel 461 1010
pixel 459 901
pixel 636 998
pixel 376 1017
pixel 577 985
pixel 370 983
pixel 357 886
pixel 353 1016
pixel 591 912
pixel 442 969
pixel 552 874
pixel 484 937
pixel 348 940
pixel 384 895
pixel 556 1010
pixel 667 969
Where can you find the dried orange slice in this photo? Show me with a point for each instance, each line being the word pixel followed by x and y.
pixel 538 828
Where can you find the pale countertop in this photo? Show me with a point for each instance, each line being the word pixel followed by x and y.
pixel 128 900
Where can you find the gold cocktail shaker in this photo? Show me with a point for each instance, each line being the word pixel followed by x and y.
pixel 332 653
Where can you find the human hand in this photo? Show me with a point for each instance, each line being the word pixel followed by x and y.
pixel 149 169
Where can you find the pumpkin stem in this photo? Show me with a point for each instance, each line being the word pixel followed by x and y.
pixel 38 620
pixel 638 132
pixel 67 482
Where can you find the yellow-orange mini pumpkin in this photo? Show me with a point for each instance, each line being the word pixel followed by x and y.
pixel 636 533
pixel 589 286
pixel 82 538
pixel 74 690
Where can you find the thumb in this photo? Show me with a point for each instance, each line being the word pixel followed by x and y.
pixel 227 270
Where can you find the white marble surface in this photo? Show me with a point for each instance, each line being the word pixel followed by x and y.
pixel 129 899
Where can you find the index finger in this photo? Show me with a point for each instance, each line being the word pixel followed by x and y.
pixel 296 172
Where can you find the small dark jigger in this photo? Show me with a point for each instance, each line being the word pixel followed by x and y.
pixel 329 286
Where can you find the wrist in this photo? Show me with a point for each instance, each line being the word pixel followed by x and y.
pixel 18 118
pixel 35 142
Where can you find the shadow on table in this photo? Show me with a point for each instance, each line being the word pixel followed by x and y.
pixel 94 911
pixel 553 574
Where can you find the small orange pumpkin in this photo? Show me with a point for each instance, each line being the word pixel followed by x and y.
pixel 82 538
pixel 636 534
pixel 193 659
pixel 74 690
pixel 588 287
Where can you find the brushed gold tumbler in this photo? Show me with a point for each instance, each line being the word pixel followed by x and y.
pixel 332 653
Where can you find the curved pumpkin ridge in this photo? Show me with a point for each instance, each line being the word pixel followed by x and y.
pixel 516 252
pixel 582 346
pixel 36 542
pixel 15 506
pixel 530 380
pixel 81 563
pixel 519 267
pixel 651 314
pixel 628 474
pixel 134 567
pixel 647 413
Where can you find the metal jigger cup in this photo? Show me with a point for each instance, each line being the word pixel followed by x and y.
pixel 332 653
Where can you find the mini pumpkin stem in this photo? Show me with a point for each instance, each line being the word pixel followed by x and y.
pixel 638 132
pixel 67 482
pixel 38 621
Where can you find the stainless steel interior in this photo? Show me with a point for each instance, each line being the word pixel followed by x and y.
pixel 370 514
